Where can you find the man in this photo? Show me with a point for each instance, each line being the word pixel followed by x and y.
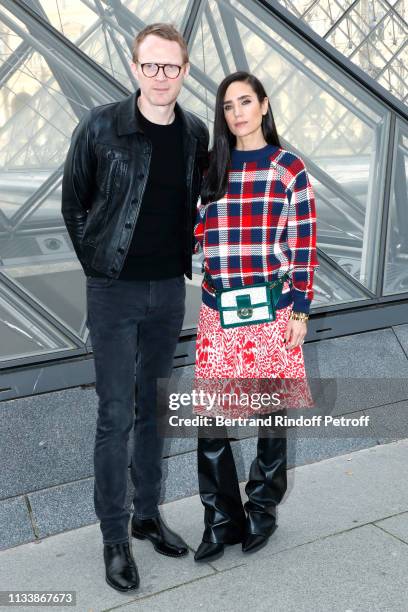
pixel 131 184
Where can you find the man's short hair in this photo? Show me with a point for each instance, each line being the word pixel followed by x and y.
pixel 163 30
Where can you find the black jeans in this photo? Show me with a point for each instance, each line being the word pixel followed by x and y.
pixel 134 328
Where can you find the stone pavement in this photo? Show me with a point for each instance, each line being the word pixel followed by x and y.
pixel 341 546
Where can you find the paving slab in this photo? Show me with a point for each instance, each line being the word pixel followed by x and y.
pixel 340 546
pixel 345 358
pixel 389 422
pixel 396 525
pixel 64 507
pixel 70 505
pixel 362 570
pixel 74 561
pixel 15 523
pixel 322 498
pixel 46 440
pixel 401 331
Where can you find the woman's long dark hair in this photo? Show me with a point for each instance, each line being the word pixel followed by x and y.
pixel 215 181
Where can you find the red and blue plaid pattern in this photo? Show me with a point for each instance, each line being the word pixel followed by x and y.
pixel 264 226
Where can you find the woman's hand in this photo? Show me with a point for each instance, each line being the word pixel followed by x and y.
pixel 295 333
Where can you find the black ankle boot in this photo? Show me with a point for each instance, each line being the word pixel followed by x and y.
pixel 121 570
pixel 165 541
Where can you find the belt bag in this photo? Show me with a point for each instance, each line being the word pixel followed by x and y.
pixel 248 305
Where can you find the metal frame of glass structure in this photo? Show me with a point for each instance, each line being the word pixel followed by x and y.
pixel 371 33
pixel 351 132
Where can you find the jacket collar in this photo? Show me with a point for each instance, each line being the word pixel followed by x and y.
pixel 127 117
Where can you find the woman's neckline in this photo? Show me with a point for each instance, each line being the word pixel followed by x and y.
pixel 253 154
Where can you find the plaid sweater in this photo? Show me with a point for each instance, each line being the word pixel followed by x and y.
pixel 264 226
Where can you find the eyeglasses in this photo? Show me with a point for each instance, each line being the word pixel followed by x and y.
pixel 171 71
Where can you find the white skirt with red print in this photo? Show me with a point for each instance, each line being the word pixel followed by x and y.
pixel 248 352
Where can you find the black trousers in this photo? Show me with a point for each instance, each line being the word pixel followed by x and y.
pixel 134 328
pixel 226 519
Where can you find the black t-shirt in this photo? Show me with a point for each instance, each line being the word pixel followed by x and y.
pixel 157 247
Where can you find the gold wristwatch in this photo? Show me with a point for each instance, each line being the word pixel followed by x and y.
pixel 299 316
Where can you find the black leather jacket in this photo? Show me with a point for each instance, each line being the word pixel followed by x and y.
pixel 105 176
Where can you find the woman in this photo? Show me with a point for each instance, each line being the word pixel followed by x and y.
pixel 256 221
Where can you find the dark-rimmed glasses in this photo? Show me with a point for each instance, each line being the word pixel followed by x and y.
pixel 171 71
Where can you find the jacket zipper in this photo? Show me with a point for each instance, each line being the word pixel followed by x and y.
pixel 111 183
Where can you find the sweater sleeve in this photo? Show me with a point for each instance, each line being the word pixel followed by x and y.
pixel 302 239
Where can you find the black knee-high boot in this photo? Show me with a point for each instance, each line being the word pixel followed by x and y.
pixel 224 516
pixel 265 488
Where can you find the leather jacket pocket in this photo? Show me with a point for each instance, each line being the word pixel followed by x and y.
pixel 112 167
pixel 111 185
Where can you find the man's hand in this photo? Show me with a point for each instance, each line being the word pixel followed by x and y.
pixel 295 333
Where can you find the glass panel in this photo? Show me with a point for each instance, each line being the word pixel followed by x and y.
pixel 197 99
pixel 105 30
pixel 41 100
pixel 338 130
pixel 396 265
pixel 159 10
pixel 207 55
pixel 23 333
pixel 193 298
pixel 109 48
pixel 47 274
pixel 71 17
pixel 332 287
pixel 372 33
